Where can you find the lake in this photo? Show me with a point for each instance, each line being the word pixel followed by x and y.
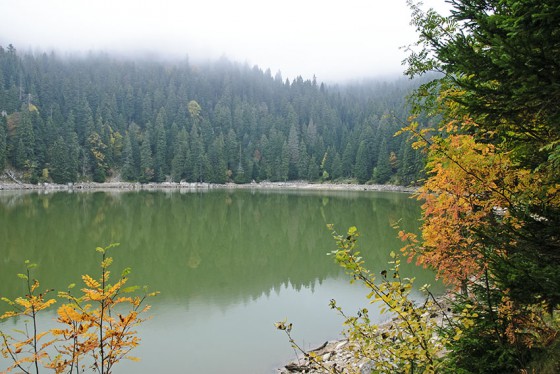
pixel 228 264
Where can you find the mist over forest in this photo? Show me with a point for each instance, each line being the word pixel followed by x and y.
pixel 98 117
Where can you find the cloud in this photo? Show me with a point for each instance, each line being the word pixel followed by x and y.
pixel 331 39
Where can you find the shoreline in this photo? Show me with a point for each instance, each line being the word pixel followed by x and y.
pixel 132 186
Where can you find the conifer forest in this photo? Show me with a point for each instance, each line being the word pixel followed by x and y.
pixel 99 117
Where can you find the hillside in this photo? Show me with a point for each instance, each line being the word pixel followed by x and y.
pixel 98 117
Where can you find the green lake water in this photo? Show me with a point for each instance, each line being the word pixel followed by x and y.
pixel 228 264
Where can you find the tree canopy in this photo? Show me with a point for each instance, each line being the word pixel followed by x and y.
pixel 492 196
pixel 98 117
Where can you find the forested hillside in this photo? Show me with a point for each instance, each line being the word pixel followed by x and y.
pixel 99 117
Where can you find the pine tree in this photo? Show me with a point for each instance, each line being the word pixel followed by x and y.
pixel 179 162
pixel 362 168
pixel 3 145
pixel 146 160
pixel 197 155
pixel 129 173
pixel 303 160
pixel 349 158
pixel 24 153
pixel 284 162
pixel 73 157
pixel 160 149
pixel 59 169
pixel 382 172
pixel 293 149
pixel 217 162
pixel 232 150
pixel 97 156
pixel 336 167
pixel 407 172
pixel 131 154
pixel 243 104
pixel 313 172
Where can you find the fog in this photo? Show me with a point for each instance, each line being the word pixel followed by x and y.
pixel 332 40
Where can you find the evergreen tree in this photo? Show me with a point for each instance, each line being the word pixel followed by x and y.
pixel 303 160
pixel 24 152
pixel 83 120
pixel 337 167
pixel 160 147
pixel 146 160
pixel 97 156
pixel 40 145
pixel 349 158
pixel 73 155
pixel 313 172
pixel 179 162
pixel 197 155
pixel 284 163
pixel 3 143
pixel 216 161
pixel 59 169
pixel 241 103
pixel 129 172
pixel 362 169
pixel 20 156
pixel 407 171
pixel 496 144
pixel 232 150
pixel 131 154
pixel 382 172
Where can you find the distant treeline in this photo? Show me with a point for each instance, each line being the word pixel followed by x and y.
pixel 90 118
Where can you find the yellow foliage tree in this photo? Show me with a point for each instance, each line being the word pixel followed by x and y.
pixel 97 327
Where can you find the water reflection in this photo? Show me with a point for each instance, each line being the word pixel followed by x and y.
pixel 223 260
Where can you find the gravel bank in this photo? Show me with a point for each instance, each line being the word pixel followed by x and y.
pixel 126 186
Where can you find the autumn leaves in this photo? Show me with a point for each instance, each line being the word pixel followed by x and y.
pixel 95 330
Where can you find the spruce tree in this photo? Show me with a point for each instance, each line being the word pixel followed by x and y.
pixel 128 170
pixel 179 162
pixel 146 160
pixel 382 172
pixel 59 169
pixel 3 149
pixel 362 168
pixel 160 147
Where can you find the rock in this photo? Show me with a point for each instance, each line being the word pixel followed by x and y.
pixel 340 345
pixel 295 368
pixel 367 367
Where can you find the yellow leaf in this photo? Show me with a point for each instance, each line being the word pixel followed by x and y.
pixel 90 282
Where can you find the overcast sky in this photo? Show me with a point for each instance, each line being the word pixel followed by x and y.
pixel 334 40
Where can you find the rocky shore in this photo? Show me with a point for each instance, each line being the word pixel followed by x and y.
pixel 337 354
pixel 332 355
pixel 6 184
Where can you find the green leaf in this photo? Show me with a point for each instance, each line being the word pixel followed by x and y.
pixel 23 276
pixel 130 289
pixel 112 245
pixel 125 272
